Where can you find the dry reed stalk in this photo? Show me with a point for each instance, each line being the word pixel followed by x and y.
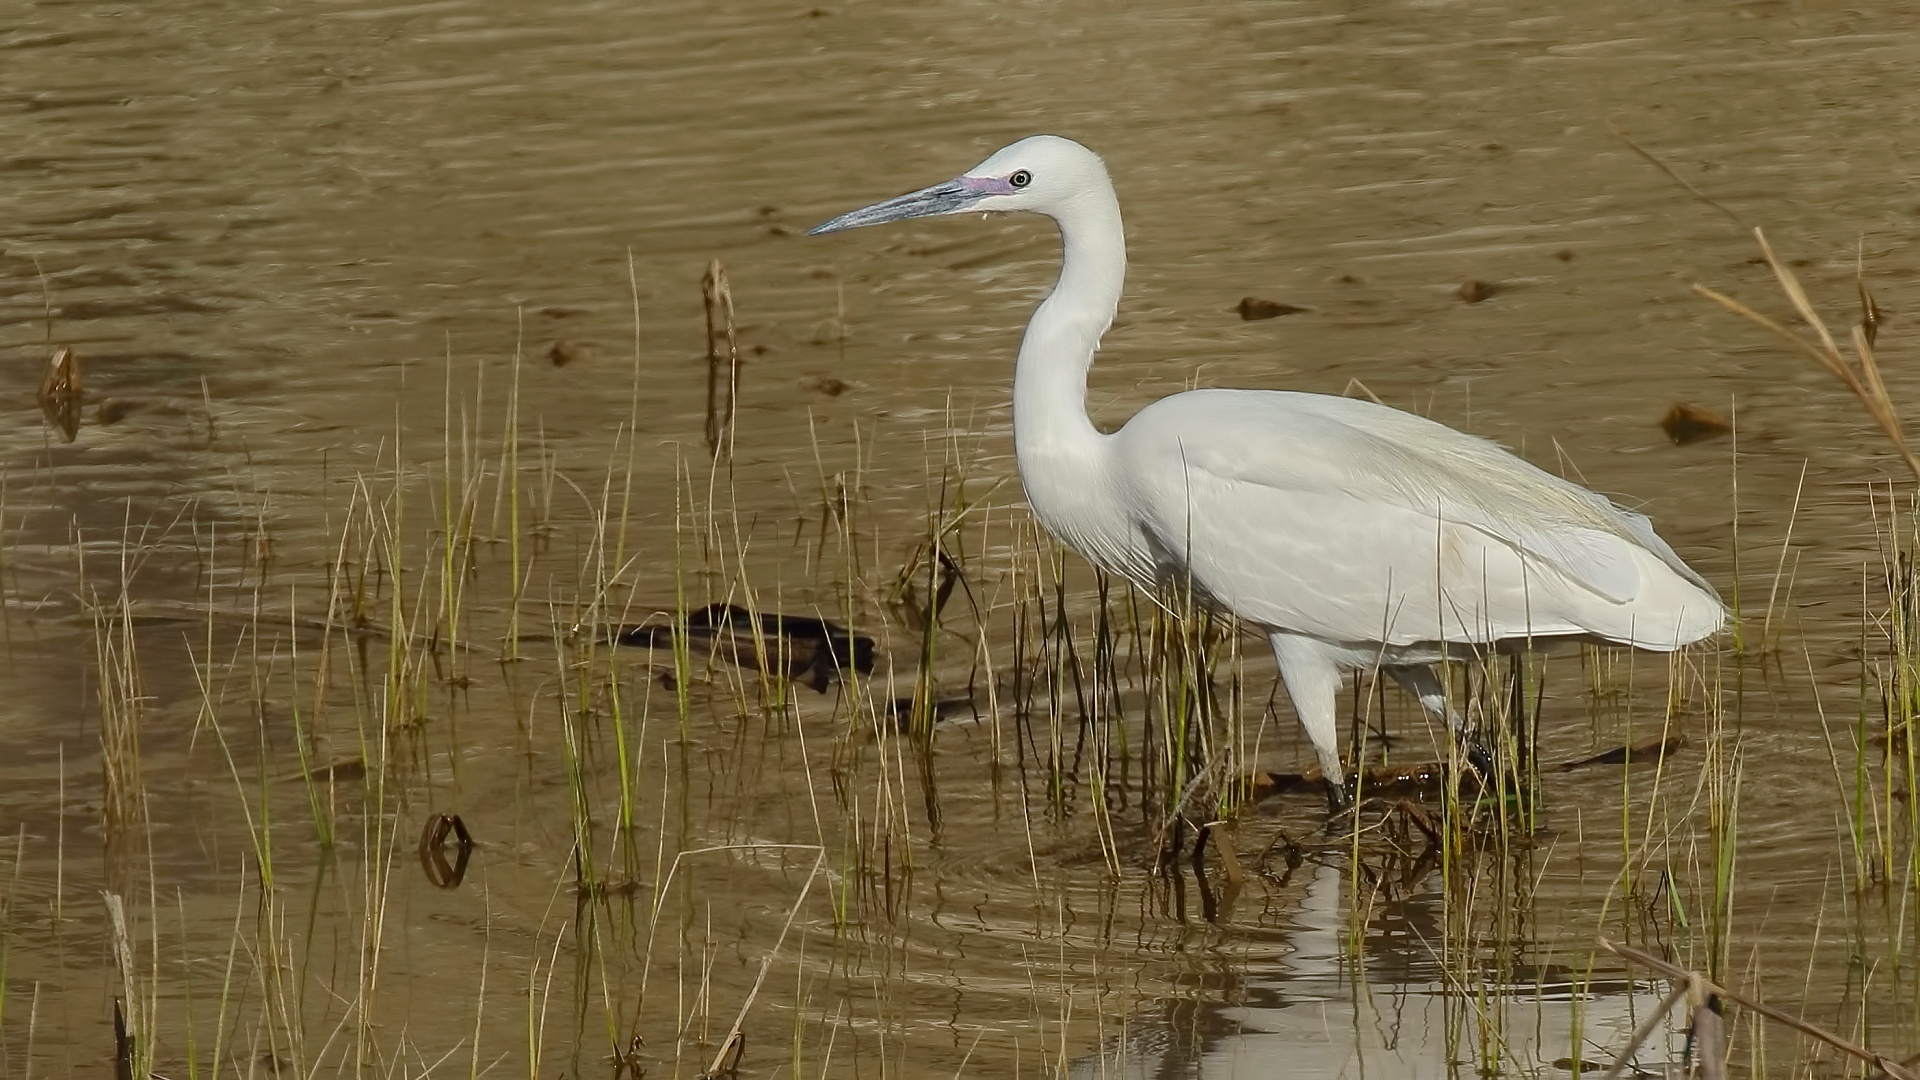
pixel 734 1044
pixel 723 368
pixel 1860 375
pixel 122 704
pixel 1701 988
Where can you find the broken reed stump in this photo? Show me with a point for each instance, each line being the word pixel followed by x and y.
pixel 122 1043
pixel 126 1028
pixel 723 357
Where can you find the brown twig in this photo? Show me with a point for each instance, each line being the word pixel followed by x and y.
pixel 1614 129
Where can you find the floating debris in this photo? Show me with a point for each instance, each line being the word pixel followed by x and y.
pixel 811 651
pixel 826 385
pixel 62 394
pixel 1387 780
pixel 433 850
pixel 1651 749
pixel 1686 424
pixel 942 711
pixel 1475 291
pixel 828 331
pixel 112 411
pixel 562 353
pixel 348 771
pixel 1252 308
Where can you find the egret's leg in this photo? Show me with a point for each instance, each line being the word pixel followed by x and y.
pixel 1313 681
pixel 1423 682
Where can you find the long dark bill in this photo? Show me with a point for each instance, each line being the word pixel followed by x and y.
pixel 948 198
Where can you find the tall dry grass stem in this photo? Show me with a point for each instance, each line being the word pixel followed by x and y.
pixel 1860 374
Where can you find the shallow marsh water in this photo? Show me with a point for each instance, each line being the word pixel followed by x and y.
pixel 305 245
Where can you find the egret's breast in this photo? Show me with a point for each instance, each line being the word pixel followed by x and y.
pixel 1077 502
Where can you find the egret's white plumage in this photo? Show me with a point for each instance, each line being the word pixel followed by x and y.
pixel 1355 534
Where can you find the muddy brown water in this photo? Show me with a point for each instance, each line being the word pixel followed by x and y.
pixel 301 243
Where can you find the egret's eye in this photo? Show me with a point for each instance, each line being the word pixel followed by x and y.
pixel 1020 179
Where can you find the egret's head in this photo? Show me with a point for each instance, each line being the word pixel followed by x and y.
pixel 1042 174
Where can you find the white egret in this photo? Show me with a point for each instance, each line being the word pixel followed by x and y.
pixel 1354 534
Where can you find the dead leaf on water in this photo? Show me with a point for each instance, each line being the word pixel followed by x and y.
pixel 61 394
pixel 1870 314
pixel 1686 424
pixel 562 353
pixel 1475 291
pixel 1252 307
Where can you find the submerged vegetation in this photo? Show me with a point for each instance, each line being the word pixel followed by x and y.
pixel 525 775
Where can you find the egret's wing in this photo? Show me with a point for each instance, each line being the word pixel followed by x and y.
pixel 1340 568
pixel 1602 563
pixel 1482 482
pixel 1353 522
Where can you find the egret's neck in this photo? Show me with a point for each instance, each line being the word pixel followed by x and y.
pixel 1050 423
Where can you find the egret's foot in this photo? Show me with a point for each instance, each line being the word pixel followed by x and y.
pixel 1495 782
pixel 1340 815
pixel 1338 800
pixel 1479 760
